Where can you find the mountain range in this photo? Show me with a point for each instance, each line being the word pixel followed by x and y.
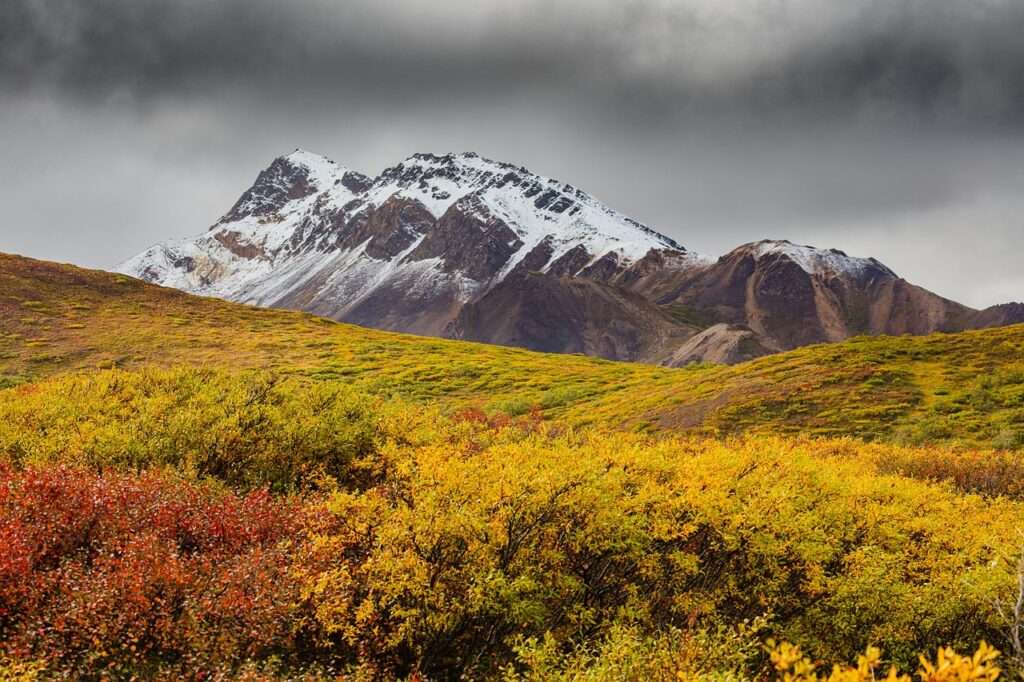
pixel 464 247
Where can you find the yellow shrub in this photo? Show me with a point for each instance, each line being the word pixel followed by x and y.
pixel 247 430
pixel 948 666
pixel 472 544
pixel 467 544
pixel 21 671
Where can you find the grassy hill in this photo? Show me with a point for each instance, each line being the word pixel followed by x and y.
pixel 966 388
pixel 191 488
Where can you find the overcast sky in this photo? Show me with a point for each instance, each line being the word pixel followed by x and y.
pixel 890 128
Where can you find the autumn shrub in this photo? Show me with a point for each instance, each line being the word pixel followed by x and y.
pixel 248 430
pixel 719 656
pixel 987 472
pixel 188 521
pixel 627 653
pixel 992 473
pixel 509 551
pixel 465 547
pixel 948 666
pixel 121 575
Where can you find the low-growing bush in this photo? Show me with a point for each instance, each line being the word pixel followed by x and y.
pixel 184 522
pixel 627 653
pixel 465 547
pixel 248 430
pixel 948 666
pixel 122 575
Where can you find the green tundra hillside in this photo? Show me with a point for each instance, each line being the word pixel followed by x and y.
pixel 966 387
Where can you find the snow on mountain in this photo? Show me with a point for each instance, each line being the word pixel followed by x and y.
pixel 535 207
pixel 434 230
pixel 817 261
pixel 465 247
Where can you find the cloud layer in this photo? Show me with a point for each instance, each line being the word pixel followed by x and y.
pixel 951 59
pixel 893 128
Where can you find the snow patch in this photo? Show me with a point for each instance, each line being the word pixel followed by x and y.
pixel 321 170
pixel 817 261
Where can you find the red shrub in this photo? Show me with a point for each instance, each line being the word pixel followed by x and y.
pixel 121 572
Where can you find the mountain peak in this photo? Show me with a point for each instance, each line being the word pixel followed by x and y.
pixel 405 250
pixel 447 157
pixel 320 169
pixel 466 169
pixel 816 261
pixel 300 155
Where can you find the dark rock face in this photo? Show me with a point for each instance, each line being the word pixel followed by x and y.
pixel 720 291
pixel 570 315
pixel 782 299
pixel 357 183
pixel 534 261
pixel 280 183
pixel 604 269
pixel 389 229
pixel 469 239
pixel 571 262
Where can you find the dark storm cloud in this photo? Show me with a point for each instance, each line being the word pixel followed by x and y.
pixel 889 128
pixel 951 60
pixel 307 47
pixel 957 59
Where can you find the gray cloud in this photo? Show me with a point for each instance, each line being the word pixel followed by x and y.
pixel 892 128
pixel 949 59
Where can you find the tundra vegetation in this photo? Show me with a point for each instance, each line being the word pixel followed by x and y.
pixel 191 488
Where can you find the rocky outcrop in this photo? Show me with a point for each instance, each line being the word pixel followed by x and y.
pixel 389 229
pixel 725 344
pixel 282 182
pixel 469 239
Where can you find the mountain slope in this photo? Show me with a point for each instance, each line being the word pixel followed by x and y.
pixel 792 295
pixel 965 387
pixel 404 251
pixel 249 516
pixel 464 247
pixel 570 307
pixel 998 316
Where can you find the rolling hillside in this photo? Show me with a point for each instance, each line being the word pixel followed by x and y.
pixel 966 387
pixel 191 488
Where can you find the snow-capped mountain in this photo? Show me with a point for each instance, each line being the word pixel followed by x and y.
pixel 791 295
pixel 464 247
pixel 404 250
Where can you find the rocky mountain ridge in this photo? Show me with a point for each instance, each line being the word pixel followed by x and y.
pixel 464 247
